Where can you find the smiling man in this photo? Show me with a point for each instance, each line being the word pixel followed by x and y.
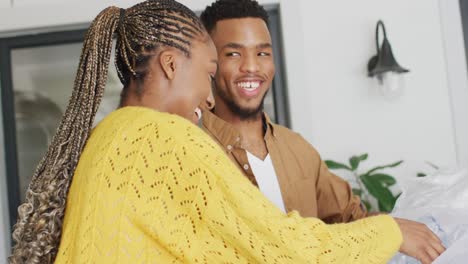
pixel 286 168
pixel 280 162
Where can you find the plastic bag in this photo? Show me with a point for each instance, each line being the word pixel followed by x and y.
pixel 441 202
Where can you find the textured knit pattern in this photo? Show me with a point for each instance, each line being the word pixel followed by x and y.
pixel 151 187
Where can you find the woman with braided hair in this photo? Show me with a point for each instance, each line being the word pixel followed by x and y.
pixel 154 38
pixel 146 184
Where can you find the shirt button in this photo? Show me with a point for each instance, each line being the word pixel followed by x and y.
pixel 229 147
pixel 246 166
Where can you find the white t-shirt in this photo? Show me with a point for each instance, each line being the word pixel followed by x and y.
pixel 266 178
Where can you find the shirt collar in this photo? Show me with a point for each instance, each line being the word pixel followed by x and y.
pixel 225 133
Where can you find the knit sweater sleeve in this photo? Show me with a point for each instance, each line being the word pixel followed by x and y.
pixel 211 213
pixel 249 221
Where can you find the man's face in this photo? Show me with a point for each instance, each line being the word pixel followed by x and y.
pixel 245 65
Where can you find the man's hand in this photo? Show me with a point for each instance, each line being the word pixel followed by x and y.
pixel 419 241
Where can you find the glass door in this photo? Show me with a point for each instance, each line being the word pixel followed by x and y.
pixel 42 84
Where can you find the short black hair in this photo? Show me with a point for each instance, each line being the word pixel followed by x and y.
pixel 227 9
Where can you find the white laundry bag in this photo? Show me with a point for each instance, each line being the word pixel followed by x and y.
pixel 441 202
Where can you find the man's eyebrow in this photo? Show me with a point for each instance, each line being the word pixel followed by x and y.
pixel 264 46
pixel 233 45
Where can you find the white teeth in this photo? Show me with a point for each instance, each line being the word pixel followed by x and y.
pixel 198 112
pixel 249 85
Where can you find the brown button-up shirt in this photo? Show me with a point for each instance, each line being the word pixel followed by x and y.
pixel 306 183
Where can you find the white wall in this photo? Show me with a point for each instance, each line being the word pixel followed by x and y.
pixel 327 46
pixel 346 115
pixel 5 3
pixel 456 74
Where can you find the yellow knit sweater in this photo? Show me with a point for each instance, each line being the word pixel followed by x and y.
pixel 151 187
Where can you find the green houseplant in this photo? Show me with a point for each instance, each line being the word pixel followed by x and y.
pixel 373 183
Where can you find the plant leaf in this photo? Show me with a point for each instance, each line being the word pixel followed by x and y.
pixel 420 174
pixel 355 160
pixel 385 207
pixel 364 157
pixel 384 167
pixel 333 165
pixel 367 204
pixel 384 196
pixel 397 196
pixel 357 192
pixel 432 165
pixel 385 179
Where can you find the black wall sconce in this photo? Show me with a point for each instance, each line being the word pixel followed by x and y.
pixel 385 68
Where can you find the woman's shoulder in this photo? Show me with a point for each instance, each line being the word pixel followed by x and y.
pixel 141 114
pixel 146 122
pixel 139 118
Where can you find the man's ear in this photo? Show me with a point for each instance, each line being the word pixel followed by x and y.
pixel 167 60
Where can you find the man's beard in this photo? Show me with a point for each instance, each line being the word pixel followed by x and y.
pixel 242 113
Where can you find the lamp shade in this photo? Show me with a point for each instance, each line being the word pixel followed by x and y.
pixel 384 61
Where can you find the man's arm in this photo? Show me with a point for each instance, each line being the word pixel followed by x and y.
pixel 336 202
